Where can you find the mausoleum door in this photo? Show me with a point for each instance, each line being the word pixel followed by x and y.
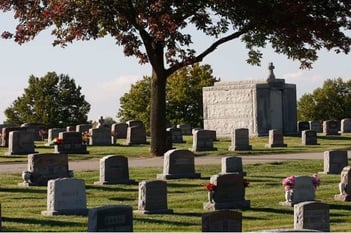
pixel 276 109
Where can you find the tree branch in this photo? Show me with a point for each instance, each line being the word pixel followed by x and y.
pixel 209 50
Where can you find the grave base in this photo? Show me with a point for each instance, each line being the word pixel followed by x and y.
pixel 115 182
pixel 329 173
pixel 178 176
pixel 20 153
pixel 311 144
pixel 136 143
pixel 275 145
pixel 291 204
pixel 236 148
pixel 161 211
pixel 27 184
pixel 342 197
pixel 287 203
pixel 203 149
pixel 242 173
pixel 227 205
pixel 82 212
pixel 72 149
pixel 331 134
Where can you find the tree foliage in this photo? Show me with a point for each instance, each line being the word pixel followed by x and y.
pixel 184 97
pixel 332 101
pixel 135 104
pixel 157 32
pixel 53 100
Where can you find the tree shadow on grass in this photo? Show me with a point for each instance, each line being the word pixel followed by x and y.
pixel 162 221
pixel 273 210
pixel 129 188
pixel 182 185
pixel 22 190
pixel 44 222
pixel 189 214
pixel 335 137
pixel 122 199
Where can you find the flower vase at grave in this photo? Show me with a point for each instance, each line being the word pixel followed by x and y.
pixel 211 196
pixel 288 195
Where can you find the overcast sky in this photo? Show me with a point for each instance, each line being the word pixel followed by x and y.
pixel 105 74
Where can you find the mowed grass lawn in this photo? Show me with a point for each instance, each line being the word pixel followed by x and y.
pixel 22 206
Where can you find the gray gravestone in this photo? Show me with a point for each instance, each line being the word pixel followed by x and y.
pixel 119 130
pixel 315 126
pixel 345 125
pixel 309 137
pixel 302 125
pixel 52 134
pixel 303 190
pixel 83 128
pixel 276 139
pixel 72 143
pixel 311 215
pixel 100 137
pixel 232 164
pixel 185 128
pixel 118 218
pixel 240 140
pixel 114 170
pixel 176 134
pixel 153 197
pixel 20 143
pixel 344 185
pixel 178 163
pixel 5 134
pixel 70 128
pixel 44 167
pixel 2 126
pixel 203 140
pixel 330 127
pixel 66 196
pixel 37 129
pixel 136 133
pixel 229 194
pixel 222 221
pixel 335 161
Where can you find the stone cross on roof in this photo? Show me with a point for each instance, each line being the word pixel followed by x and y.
pixel 271 74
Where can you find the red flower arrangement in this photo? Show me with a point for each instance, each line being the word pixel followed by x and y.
pixel 210 187
pixel 57 141
pixel 213 187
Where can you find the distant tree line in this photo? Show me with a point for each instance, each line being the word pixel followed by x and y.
pixel 56 101
pixel 331 101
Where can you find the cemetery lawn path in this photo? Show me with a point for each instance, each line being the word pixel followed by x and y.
pixel 93 164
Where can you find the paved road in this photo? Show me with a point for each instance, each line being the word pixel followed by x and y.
pixel 93 164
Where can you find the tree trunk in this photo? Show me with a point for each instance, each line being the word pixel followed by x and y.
pixel 158 113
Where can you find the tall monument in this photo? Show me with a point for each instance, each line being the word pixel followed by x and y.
pixel 259 105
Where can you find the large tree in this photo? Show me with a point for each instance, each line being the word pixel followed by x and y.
pixel 183 97
pixel 157 31
pixel 331 101
pixel 53 100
